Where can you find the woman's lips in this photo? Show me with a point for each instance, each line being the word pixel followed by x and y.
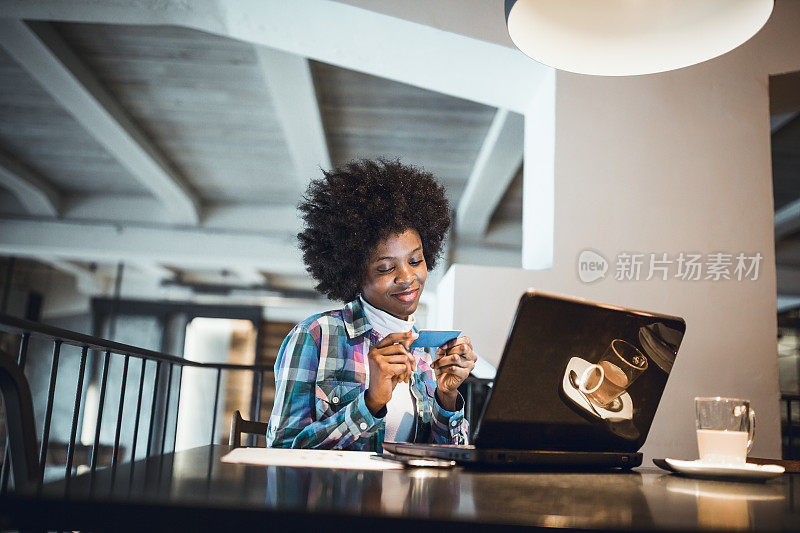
pixel 408 296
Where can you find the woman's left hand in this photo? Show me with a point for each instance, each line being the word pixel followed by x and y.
pixel 454 362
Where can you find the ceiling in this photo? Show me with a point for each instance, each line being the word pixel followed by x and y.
pixel 148 144
pixel 184 153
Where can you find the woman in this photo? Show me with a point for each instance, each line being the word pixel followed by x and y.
pixel 348 379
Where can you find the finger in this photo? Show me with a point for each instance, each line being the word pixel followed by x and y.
pixel 412 363
pixel 392 349
pixel 399 359
pixel 461 349
pixel 452 381
pixel 450 369
pixel 455 359
pixel 390 365
pixel 445 361
pixel 457 371
pixel 396 370
pixel 461 370
pixel 463 339
pixel 405 339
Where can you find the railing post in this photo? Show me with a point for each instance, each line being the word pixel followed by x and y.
pixel 75 414
pixel 48 412
pixel 101 404
pixel 216 404
pixel 166 409
pixel 136 423
pixel 177 409
pixel 119 413
pixel 150 431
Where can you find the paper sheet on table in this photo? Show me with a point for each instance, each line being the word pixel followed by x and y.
pixel 309 458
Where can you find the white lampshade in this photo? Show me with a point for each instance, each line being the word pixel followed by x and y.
pixel 629 37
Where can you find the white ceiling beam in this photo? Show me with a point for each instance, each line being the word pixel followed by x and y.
pixel 495 167
pixel 786 302
pixel 787 220
pixel 456 59
pixel 108 208
pixel 478 19
pixel 776 122
pixel 36 195
pixel 47 58
pixel 267 218
pixel 109 242
pixel 280 219
pixel 294 100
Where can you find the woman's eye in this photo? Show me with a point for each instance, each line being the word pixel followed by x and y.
pixel 415 262
pixel 385 270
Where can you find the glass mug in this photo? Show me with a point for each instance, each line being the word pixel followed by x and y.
pixel 725 430
pixel 621 364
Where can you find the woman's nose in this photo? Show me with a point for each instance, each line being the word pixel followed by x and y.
pixel 405 276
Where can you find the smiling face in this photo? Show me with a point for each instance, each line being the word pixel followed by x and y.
pixel 396 274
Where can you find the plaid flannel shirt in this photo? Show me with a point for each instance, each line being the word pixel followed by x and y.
pixel 320 385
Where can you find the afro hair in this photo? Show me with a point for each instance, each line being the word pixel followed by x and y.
pixel 354 207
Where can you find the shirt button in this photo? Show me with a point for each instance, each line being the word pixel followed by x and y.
pixel 363 426
pixel 335 399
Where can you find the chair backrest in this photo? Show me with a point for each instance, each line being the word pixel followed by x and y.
pixel 19 424
pixel 239 425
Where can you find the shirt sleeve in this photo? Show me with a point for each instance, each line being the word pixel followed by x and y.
pixel 449 427
pixel 293 421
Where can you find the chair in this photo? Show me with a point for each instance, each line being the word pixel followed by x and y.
pixel 239 425
pixel 19 424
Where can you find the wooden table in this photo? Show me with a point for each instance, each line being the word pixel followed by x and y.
pixel 194 490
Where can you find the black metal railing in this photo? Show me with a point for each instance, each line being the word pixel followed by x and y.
pixel 58 337
pixel 473 389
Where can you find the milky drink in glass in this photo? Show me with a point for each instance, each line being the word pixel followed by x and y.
pixel 722 447
pixel 725 430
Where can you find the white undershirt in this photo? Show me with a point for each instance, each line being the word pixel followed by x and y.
pixel 400 409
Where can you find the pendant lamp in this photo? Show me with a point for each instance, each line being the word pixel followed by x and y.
pixel 629 37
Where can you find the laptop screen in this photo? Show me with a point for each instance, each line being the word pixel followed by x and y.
pixel 579 376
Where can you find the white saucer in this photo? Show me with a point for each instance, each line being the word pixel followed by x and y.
pixel 744 471
pixel 579 365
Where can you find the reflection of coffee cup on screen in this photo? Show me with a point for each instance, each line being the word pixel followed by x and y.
pixel 620 365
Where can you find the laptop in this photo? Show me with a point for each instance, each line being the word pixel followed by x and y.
pixel 578 386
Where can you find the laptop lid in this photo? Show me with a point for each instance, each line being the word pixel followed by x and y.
pixel 579 376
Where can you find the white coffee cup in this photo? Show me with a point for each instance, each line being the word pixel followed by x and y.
pixel 725 430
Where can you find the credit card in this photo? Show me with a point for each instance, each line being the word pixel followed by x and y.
pixel 430 338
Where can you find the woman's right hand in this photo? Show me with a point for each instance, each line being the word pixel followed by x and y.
pixel 390 362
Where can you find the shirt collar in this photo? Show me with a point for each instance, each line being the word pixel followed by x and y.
pixel 355 323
